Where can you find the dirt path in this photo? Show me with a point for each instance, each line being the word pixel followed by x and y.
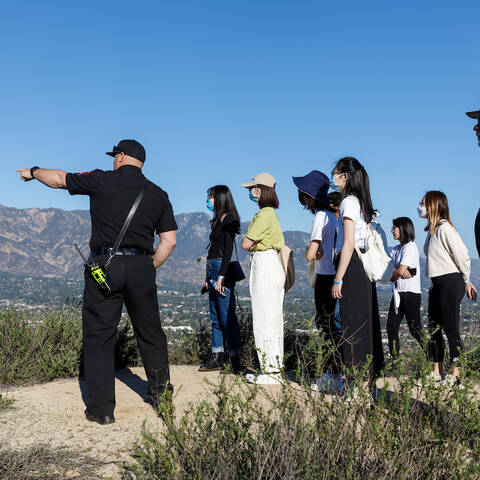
pixel 52 414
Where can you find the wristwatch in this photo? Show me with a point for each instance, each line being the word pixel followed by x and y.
pixel 33 170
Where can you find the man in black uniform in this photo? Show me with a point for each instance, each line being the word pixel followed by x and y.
pixel 476 116
pixel 132 271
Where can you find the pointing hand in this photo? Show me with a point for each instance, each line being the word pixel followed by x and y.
pixel 25 174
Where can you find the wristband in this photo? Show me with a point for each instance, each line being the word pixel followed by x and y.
pixel 337 282
pixel 33 169
pixel 220 277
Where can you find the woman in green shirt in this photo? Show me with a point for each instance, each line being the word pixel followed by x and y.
pixel 264 239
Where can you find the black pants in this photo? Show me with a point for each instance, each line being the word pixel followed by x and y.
pixel 410 309
pixel 360 319
pixel 444 314
pixel 133 278
pixel 325 320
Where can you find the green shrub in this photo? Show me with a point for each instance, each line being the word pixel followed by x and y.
pixel 42 346
pixel 246 433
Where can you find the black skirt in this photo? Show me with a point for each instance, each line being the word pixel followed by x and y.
pixel 362 338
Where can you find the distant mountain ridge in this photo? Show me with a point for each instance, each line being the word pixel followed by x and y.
pixel 39 242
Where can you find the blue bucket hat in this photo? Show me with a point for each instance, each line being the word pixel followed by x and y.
pixel 315 184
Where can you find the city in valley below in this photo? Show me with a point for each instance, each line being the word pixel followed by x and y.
pixel 183 307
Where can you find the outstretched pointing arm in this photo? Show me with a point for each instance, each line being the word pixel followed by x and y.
pixel 50 178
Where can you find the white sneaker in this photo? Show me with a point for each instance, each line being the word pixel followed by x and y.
pixel 263 378
pixel 451 381
pixel 431 379
pixel 314 387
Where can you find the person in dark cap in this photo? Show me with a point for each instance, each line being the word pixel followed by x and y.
pixel 313 196
pixel 476 116
pixel 131 274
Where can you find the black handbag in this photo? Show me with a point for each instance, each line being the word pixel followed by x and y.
pixel 234 270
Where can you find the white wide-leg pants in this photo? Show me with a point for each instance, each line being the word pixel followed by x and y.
pixel 267 280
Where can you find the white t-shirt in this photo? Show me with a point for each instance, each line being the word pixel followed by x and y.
pixel 407 255
pixel 350 207
pixel 323 230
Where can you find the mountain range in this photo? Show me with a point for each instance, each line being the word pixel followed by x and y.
pixel 40 242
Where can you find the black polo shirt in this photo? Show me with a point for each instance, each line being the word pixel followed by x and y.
pixel 112 194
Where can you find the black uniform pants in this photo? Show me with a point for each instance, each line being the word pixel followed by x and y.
pixel 409 307
pixel 360 319
pixel 133 279
pixel 444 314
pixel 325 320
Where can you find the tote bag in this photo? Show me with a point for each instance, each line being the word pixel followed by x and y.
pixel 376 262
pixel 286 259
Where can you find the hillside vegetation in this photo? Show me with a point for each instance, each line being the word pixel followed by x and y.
pixel 402 431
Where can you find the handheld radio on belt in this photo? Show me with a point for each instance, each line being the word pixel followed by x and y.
pixel 99 272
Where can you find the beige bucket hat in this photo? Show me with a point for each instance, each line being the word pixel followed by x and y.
pixel 261 179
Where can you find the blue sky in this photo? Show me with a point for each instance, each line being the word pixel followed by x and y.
pixel 218 91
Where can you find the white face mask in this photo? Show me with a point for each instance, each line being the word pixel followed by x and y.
pixel 422 211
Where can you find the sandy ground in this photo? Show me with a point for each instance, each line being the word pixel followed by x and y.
pixel 52 414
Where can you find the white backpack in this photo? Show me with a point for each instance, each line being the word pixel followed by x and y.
pixel 376 262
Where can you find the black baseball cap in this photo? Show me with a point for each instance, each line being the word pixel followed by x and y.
pixel 129 147
pixel 475 115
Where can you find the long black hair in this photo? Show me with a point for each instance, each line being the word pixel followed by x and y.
pixel 312 204
pixel 407 230
pixel 223 205
pixel 357 184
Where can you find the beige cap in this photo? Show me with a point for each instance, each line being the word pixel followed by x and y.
pixel 261 179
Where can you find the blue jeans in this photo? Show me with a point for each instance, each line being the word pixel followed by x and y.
pixel 222 313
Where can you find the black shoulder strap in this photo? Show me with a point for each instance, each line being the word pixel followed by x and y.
pixel 126 224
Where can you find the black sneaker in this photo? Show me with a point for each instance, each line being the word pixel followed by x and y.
pixel 101 420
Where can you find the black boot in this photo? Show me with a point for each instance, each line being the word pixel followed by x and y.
pixel 215 362
pixel 237 367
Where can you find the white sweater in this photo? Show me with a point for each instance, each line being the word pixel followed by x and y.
pixel 446 253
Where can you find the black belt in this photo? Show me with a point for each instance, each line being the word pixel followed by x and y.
pixel 120 251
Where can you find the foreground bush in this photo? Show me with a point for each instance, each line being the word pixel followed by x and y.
pixel 289 432
pixel 244 433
